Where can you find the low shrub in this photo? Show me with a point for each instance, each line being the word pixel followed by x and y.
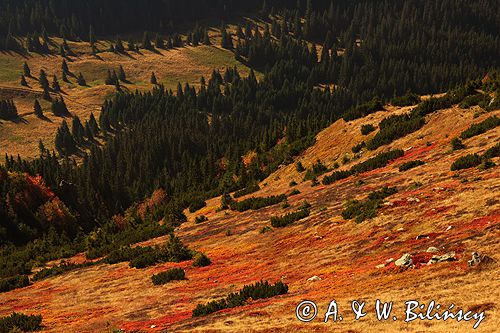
pixel 200 219
pixel 255 291
pixel 201 260
pixel 173 274
pixel 287 219
pixel 407 99
pixel 140 257
pixel 294 192
pixel 492 152
pixel 265 229
pixel 292 183
pixel 197 204
pixel 255 203
pixel 20 321
pixel 486 164
pixel 410 165
pixel 61 269
pixel 373 163
pixel 336 175
pixel 480 128
pixel 367 129
pixel 457 144
pixel 395 127
pixel 465 162
pixel 363 110
pixel 14 282
pixel 378 161
pixel 477 99
pixel 299 167
pixel 247 190
pixel 367 209
pixel 357 148
pixel 317 169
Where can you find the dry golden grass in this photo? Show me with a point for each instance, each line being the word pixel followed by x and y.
pixel 456 215
pixel 182 65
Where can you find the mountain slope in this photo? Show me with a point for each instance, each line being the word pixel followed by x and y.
pixel 434 207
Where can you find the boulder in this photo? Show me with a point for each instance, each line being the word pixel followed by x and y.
pixel 450 256
pixel 476 259
pixel 405 260
pixel 432 249
pixel 314 278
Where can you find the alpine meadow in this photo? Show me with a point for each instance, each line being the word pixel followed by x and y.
pixel 249 166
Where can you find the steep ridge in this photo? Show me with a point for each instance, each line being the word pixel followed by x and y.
pixel 434 207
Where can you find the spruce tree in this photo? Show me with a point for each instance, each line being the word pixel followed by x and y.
pixel 227 41
pixel 62 53
pixel 159 43
pixel 55 84
pixel 131 45
pixel 91 37
pixel 153 79
pixel 119 46
pixel 109 78
pixel 46 94
pixel 146 41
pixel 43 80
pixel 26 70
pixel 23 81
pixel 121 74
pixel 77 130
pixel 64 67
pixel 94 127
pixel 38 109
pixel 81 80
pixel 206 38
pixel 64 77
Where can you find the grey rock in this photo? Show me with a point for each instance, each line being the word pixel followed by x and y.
pixel 405 260
pixel 432 249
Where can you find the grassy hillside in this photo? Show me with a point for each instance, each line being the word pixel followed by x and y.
pixel 181 65
pixel 433 207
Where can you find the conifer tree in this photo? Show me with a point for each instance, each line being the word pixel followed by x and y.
pixel 62 53
pixel 131 45
pixel 146 41
pixel 38 109
pixel 109 79
pixel 206 38
pixel 46 94
pixel 121 74
pixel 81 80
pixel 119 46
pixel 55 84
pixel 93 125
pixel 64 67
pixel 43 80
pixel 153 79
pixel 159 43
pixel 227 41
pixel 26 70
pixel 64 77
pixel 77 130
pixel 23 81
pixel 91 37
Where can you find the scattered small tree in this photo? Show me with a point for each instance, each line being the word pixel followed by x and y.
pixel 121 74
pixel 55 84
pixel 38 109
pixel 81 80
pixel 26 70
pixel 23 81
pixel 153 79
